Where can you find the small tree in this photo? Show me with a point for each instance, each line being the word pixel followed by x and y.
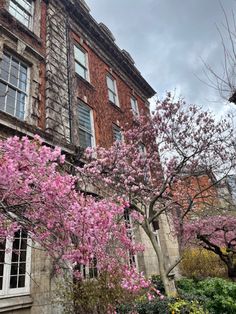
pixel 157 153
pixel 216 234
pixel 38 196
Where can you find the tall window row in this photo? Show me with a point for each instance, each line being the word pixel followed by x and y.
pixel 82 69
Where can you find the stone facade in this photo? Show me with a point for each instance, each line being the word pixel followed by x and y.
pixel 51 110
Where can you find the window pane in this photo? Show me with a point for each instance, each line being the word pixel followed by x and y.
pixel 2 95
pixel 22 268
pixel 10 102
pixel 14 72
pixel 80 70
pixel 134 106
pixel 84 117
pixel 110 84
pixel 80 56
pixel 13 282
pixel 4 67
pixel 112 97
pixel 85 139
pixel 21 282
pixel 14 269
pixel 2 259
pixel 26 4
pixel 23 78
pixel 20 104
pixel 117 133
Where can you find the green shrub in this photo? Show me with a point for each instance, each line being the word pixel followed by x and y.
pixel 218 295
pixel 155 306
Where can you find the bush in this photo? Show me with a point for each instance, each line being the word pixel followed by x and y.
pixel 157 283
pixel 200 263
pixel 155 306
pixel 187 307
pixel 93 296
pixel 218 295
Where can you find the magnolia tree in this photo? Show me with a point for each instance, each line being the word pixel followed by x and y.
pixel 73 228
pixel 148 168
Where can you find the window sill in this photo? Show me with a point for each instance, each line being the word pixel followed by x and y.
pixel 15 303
pixel 21 27
pixel 81 79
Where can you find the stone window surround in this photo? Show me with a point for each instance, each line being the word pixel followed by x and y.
pixel 20 90
pixel 18 48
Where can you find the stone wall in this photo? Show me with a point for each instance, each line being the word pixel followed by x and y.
pixel 57 96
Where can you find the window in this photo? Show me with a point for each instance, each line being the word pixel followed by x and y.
pixel 22 10
pixel 86 132
pixel 13 86
pixel 128 223
pixel 15 264
pixel 81 62
pixel 112 90
pixel 89 271
pixel 117 135
pixel 134 106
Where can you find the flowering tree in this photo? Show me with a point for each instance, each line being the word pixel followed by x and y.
pixel 148 168
pixel 216 234
pixel 38 196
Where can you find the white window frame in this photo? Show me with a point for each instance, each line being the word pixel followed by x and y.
pixel 6 290
pixel 18 3
pixel 17 89
pixel 134 106
pixel 86 66
pixel 92 133
pixel 113 91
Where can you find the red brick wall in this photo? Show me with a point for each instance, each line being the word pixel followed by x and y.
pixel 105 114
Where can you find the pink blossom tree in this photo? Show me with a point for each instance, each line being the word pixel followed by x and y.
pixel 216 234
pixel 175 142
pixel 37 195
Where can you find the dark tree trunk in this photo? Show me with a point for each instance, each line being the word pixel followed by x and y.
pixel 232 272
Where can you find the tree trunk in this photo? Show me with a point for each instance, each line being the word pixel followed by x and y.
pixel 168 282
pixel 231 271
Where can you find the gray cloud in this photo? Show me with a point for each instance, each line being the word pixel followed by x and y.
pixel 167 39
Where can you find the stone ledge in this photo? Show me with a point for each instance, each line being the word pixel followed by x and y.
pixel 15 303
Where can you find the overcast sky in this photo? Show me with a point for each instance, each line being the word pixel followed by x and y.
pixel 167 39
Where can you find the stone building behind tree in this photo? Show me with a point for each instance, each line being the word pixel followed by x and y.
pixel 62 76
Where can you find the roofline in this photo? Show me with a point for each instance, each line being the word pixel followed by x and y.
pixel 80 14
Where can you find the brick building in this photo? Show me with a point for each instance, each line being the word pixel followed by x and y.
pixel 62 76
